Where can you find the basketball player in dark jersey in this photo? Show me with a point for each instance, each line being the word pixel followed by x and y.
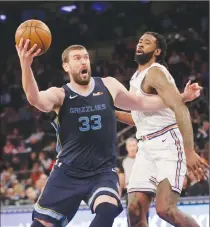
pixel 86 138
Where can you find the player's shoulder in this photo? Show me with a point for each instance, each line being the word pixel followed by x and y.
pixel 157 73
pixel 59 92
pixel 56 90
pixel 155 67
pixel 156 70
pixel 135 76
pixel 110 82
pixel 108 79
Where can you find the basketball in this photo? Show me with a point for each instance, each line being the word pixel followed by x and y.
pixel 37 32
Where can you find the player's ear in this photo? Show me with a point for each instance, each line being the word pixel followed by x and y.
pixel 157 52
pixel 65 67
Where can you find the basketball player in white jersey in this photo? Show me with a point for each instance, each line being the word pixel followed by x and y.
pixel 166 147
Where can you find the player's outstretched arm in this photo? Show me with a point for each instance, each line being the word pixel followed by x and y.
pixel 124 117
pixel 126 100
pixel 45 101
pixel 172 98
pixel 191 92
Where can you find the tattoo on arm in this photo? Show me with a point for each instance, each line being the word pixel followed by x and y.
pixel 172 98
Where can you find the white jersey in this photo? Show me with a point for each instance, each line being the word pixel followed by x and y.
pixel 150 122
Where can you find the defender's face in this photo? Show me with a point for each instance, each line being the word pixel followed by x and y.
pixel 78 66
pixel 146 44
pixel 146 49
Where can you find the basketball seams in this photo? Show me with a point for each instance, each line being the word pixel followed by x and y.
pixel 40 40
pixel 23 31
pixel 22 25
pixel 41 24
pixel 42 29
pixel 30 32
pixel 34 25
pixel 36 31
pixel 38 28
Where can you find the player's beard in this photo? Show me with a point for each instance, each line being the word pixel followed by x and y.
pixel 143 58
pixel 77 77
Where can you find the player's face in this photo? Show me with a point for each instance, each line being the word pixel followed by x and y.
pixel 145 49
pixel 79 66
pixel 132 148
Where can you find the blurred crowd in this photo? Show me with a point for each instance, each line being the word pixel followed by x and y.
pixel 28 141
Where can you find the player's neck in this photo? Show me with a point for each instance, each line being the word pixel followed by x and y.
pixel 131 156
pixel 145 66
pixel 82 89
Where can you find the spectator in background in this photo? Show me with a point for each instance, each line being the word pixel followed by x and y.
pixel 51 147
pixel 196 188
pixel 18 189
pixel 25 112
pixel 31 195
pixel 45 162
pixel 40 183
pixel 22 147
pixel 14 136
pixel 128 161
pixel 36 172
pixel 11 198
pixel 202 136
pixel 16 163
pixel 2 195
pixel 35 137
pixel 174 58
pixel 9 148
pixel 7 177
pixel 32 159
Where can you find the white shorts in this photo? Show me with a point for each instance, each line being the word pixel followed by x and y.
pixel 159 158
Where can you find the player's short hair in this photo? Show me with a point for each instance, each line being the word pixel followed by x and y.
pixel 161 43
pixel 65 54
pixel 131 139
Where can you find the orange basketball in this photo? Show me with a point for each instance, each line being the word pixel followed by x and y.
pixel 37 32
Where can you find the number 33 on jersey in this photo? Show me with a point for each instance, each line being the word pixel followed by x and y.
pixel 85 121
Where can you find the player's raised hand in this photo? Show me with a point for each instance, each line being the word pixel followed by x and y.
pixel 192 91
pixel 25 54
pixel 197 165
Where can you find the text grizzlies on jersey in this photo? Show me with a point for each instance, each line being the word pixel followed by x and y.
pixel 87 109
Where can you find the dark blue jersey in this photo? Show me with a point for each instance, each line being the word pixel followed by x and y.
pixel 86 131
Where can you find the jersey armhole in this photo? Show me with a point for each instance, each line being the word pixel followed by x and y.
pixel 140 87
pixel 110 96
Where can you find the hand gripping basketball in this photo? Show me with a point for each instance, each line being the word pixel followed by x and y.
pixel 26 56
pixel 37 32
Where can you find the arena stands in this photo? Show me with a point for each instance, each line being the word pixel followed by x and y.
pixel 28 141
